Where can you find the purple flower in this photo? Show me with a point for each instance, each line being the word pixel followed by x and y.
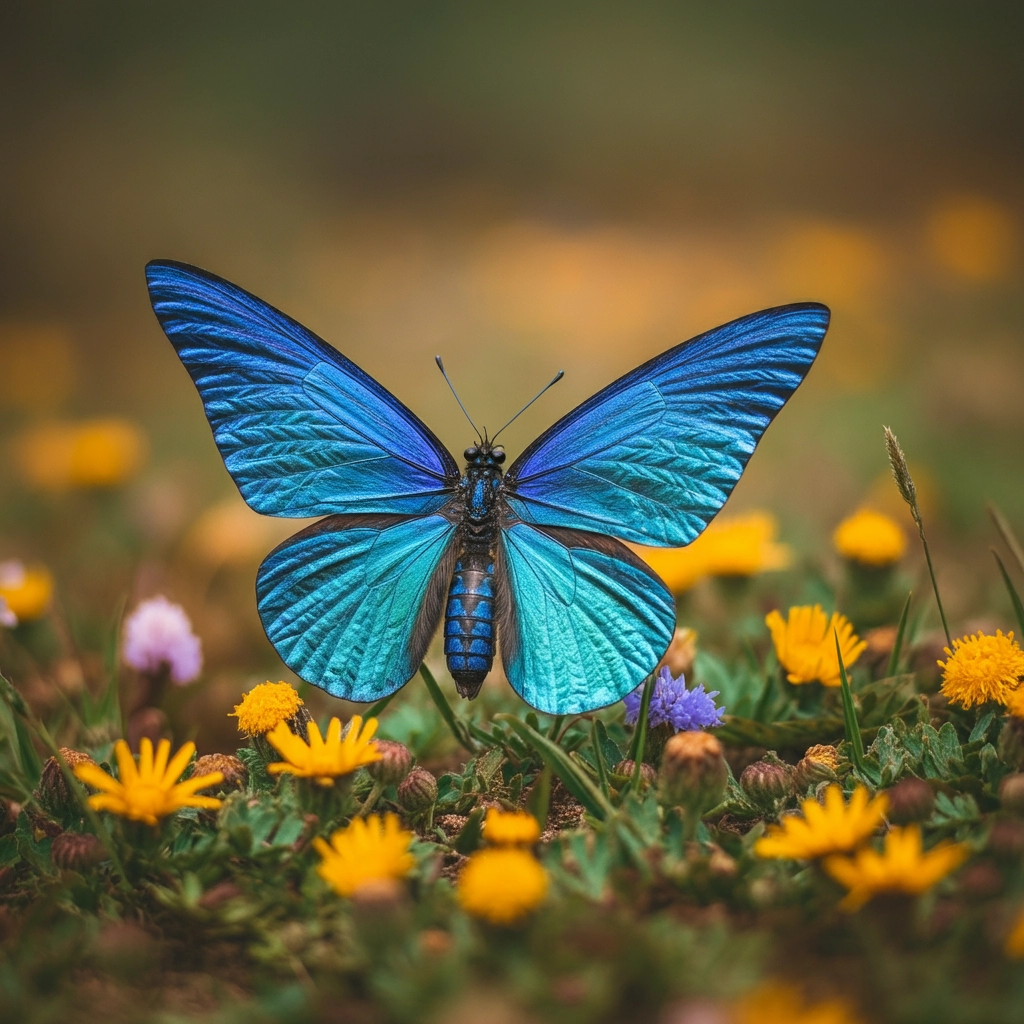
pixel 159 633
pixel 673 704
pixel 7 617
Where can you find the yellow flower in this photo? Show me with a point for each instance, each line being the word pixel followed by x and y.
pixel 982 668
pixel 806 644
pixel 265 706
pixel 778 1003
pixel 149 790
pixel 836 827
pixel 93 453
pixel 324 760
pixel 510 827
pixel 502 885
pixel 871 538
pixel 1014 945
pixel 374 849
pixel 27 591
pixel 901 868
pixel 741 546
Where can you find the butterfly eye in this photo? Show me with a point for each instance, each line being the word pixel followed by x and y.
pixel 472 452
pixel 498 455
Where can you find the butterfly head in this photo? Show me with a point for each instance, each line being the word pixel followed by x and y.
pixel 484 455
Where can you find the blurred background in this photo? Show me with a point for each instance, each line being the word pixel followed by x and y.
pixel 522 190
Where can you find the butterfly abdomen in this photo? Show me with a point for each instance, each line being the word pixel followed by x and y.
pixel 469 617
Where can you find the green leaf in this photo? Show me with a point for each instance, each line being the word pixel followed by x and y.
pixel 539 800
pixel 897 647
pixel 597 734
pixel 639 741
pixel 457 728
pixel 471 834
pixel 574 780
pixel 850 723
pixel 1012 591
pixel 981 727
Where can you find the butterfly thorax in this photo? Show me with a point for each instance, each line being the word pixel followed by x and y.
pixel 469 633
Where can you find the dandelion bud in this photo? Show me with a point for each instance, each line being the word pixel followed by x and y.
pixel 1011 742
pixel 648 775
pixel 74 852
pixel 910 800
pixel 1011 793
pixel 394 764
pixel 809 772
pixel 693 771
pixel 54 792
pixel 236 774
pixel 768 782
pixel 417 791
pixel 1006 838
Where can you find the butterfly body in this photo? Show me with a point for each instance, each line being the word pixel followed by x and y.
pixel 527 562
pixel 469 621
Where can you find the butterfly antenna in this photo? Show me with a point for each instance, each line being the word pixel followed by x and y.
pixel 444 373
pixel 558 376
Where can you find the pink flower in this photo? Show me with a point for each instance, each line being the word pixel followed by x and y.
pixel 159 633
pixel 7 617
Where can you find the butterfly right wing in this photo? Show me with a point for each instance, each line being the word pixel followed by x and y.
pixel 302 430
pixel 352 602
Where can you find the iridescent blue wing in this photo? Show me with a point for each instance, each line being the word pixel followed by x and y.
pixel 302 430
pixel 582 620
pixel 352 602
pixel 654 456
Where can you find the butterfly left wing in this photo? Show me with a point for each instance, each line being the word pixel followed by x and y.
pixel 351 603
pixel 302 430
pixel 582 620
pixel 654 456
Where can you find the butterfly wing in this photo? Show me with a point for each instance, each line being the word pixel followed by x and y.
pixel 653 457
pixel 582 620
pixel 302 430
pixel 352 602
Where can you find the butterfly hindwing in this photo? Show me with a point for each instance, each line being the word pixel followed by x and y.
pixel 302 430
pixel 582 620
pixel 653 457
pixel 352 602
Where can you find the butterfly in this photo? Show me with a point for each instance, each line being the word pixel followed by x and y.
pixel 531 555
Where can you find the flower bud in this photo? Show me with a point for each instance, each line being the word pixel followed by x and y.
pixel 1011 742
pixel 910 800
pixel 768 782
pixel 74 852
pixel 693 772
pixel 648 775
pixel 1006 838
pixel 417 791
pixel 54 793
pixel 681 652
pixel 1011 793
pixel 809 772
pixel 394 764
pixel 236 774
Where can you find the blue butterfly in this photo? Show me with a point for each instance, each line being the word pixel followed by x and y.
pixel 528 555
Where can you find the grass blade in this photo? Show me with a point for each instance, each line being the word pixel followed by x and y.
pixel 377 708
pixel 897 647
pixel 460 733
pixel 559 762
pixel 1012 591
pixel 852 726
pixel 639 740
pixel 602 768
pixel 1006 532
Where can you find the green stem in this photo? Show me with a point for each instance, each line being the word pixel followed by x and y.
pixel 852 726
pixel 935 585
pixel 640 732
pixel 377 708
pixel 461 735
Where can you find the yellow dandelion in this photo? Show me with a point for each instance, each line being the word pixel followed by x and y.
pixel 1014 944
pixel 92 454
pixel 26 590
pixel 149 790
pixel 324 760
pixel 265 707
pixel 502 885
pixel 982 668
pixel 835 827
pixel 870 538
pixel 740 546
pixel 903 867
pixel 505 828
pixel 373 849
pixel 779 1003
pixel 806 646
